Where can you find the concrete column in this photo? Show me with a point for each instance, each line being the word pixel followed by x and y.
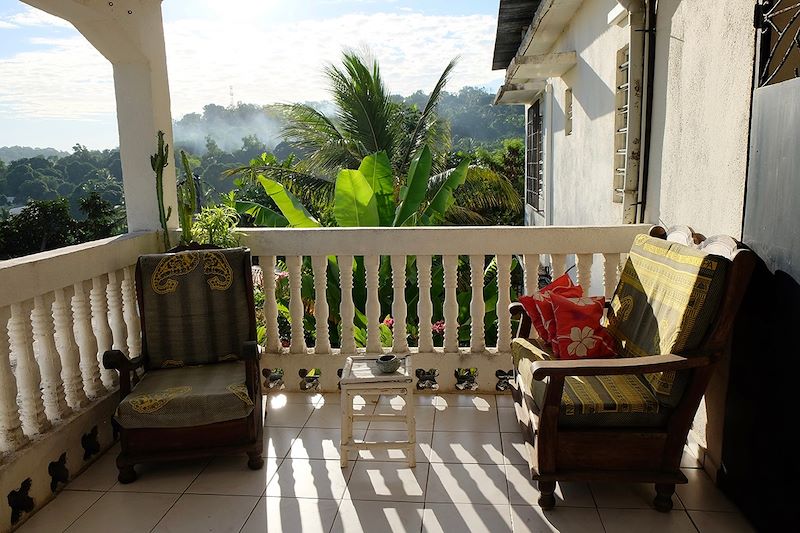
pixel 130 34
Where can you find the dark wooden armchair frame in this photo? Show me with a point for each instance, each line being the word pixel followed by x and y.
pixel 244 435
pixel 644 455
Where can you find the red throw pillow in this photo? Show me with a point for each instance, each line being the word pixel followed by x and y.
pixel 540 310
pixel 579 334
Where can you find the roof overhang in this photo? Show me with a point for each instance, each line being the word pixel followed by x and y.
pixel 519 93
pixel 534 61
pixel 513 19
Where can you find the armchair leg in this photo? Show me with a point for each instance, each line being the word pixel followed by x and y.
pixel 254 460
pixel 663 499
pixel 547 498
pixel 127 474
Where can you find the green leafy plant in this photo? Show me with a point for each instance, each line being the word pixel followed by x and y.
pixel 187 201
pixel 216 225
pixel 158 162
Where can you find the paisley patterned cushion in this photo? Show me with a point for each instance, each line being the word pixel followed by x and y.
pixel 187 397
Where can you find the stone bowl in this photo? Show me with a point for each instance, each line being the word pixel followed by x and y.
pixel 388 363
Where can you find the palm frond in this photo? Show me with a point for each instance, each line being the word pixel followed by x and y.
pixel 311 132
pixel 461 216
pixel 485 189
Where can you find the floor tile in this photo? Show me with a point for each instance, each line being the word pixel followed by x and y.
pixel 61 512
pixel 423 451
pixel 211 513
pixel 329 416
pixel 700 494
pixel 688 460
pixel 459 483
pixel 424 416
pixel 292 415
pixel 128 512
pixel 532 519
pixel 504 400
pixel 627 520
pixel 480 402
pixel 508 420
pixel 627 496
pixel 387 481
pixel 278 440
pixel 465 447
pixel 475 518
pixel 277 400
pixel 230 475
pixel 714 522
pixel 101 475
pixel 523 490
pixel 515 451
pixel 171 478
pixel 309 478
pixel 420 400
pixel 465 419
pixel 320 443
pixel 372 517
pixel 291 515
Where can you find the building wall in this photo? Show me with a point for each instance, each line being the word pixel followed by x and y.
pixel 701 110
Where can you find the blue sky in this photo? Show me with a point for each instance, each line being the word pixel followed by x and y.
pixel 56 90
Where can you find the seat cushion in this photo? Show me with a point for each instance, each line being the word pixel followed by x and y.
pixel 665 302
pixel 187 397
pixel 603 401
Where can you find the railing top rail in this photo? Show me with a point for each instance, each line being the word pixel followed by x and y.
pixel 23 278
pixel 443 240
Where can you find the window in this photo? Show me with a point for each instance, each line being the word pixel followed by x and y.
pixel 621 124
pixel 568 112
pixel 534 158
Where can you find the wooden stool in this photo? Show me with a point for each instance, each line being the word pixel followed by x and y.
pixel 361 376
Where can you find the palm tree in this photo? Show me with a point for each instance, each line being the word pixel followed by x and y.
pixel 368 121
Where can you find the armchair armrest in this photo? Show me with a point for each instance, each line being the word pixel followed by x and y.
pixel 251 351
pixel 516 308
pixel 524 327
pixel 116 360
pixel 608 367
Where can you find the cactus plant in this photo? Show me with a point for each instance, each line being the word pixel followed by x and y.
pixel 187 201
pixel 159 162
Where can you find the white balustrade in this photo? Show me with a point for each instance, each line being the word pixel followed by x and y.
pixel 87 343
pixel 476 307
pixel 68 350
pixel 116 320
pixel 450 249
pixel 44 348
pixel 11 434
pixel 29 379
pixel 130 313
pixel 102 331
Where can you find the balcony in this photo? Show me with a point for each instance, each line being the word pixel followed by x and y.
pixel 62 309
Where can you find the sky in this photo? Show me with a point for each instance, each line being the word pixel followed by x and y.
pixel 57 90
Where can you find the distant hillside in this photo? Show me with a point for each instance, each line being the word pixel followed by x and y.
pixel 12 153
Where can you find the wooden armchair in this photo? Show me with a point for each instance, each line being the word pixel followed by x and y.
pixel 200 394
pixel 627 418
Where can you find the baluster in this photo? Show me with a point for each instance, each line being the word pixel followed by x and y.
pixel 44 348
pixel 450 263
pixel 503 301
pixel 87 344
pixel 320 264
pixel 298 341
pixel 559 264
pixel 424 305
pixel 531 273
pixel 273 341
pixel 68 350
pixel 130 313
pixel 610 266
pixel 347 309
pixel 372 265
pixel 477 341
pixel 584 267
pixel 116 320
pixel 31 406
pixel 399 310
pixel 11 434
pixel 102 331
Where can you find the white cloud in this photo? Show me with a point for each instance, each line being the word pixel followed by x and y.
pixel 35 17
pixel 263 62
pixel 7 25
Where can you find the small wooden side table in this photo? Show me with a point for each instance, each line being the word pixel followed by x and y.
pixel 361 376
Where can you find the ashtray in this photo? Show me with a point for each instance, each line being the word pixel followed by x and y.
pixel 388 363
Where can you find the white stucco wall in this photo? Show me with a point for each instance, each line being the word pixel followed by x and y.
pixel 701 109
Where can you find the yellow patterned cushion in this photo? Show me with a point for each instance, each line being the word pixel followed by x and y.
pixel 667 298
pixel 187 397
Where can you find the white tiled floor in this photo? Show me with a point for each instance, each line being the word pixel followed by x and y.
pixel 471 475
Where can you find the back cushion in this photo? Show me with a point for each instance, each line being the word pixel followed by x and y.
pixel 194 306
pixel 667 298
